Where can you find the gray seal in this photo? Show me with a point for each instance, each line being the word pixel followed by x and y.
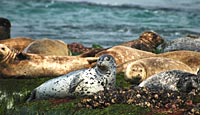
pixel 174 80
pixel 79 83
pixel 184 43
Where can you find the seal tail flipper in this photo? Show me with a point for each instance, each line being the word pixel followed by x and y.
pixel 32 96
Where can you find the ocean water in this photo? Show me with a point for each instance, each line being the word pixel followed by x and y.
pixel 103 22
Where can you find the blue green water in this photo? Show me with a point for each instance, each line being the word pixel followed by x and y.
pixel 102 22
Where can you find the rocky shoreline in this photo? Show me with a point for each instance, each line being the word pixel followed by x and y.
pixel 158 101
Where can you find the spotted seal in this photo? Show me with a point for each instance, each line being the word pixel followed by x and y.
pixel 141 69
pixel 81 82
pixel 48 46
pixel 147 41
pixel 18 64
pixel 18 43
pixel 175 80
pixel 183 43
pixel 5 26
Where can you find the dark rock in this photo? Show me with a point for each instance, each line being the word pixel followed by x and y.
pixel 5 26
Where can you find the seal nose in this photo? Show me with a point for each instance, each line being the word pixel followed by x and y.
pixel 100 62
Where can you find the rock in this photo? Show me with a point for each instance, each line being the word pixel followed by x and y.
pixel 78 48
pixel 5 26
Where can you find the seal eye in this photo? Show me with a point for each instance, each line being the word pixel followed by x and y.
pixel 107 58
pixel 3 49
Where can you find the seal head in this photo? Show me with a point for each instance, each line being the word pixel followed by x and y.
pixel 6 54
pixel 105 64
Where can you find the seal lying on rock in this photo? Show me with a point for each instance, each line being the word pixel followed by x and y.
pixel 5 26
pixel 148 41
pixel 184 43
pixel 15 64
pixel 81 82
pixel 174 80
pixel 19 43
pixel 47 46
pixel 141 69
pixel 123 54
pixel 191 58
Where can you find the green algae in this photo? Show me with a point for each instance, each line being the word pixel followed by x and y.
pixel 14 92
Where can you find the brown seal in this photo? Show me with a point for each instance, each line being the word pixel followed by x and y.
pixel 191 58
pixel 18 43
pixel 141 69
pixel 47 46
pixel 124 54
pixel 147 41
pixel 14 64
pixel 5 26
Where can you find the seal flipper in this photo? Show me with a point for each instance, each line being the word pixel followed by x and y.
pixel 75 82
pixel 32 96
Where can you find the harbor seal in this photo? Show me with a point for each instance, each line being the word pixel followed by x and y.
pixel 190 58
pixel 17 64
pixel 183 43
pixel 123 54
pixel 48 46
pixel 174 80
pixel 18 43
pixel 79 83
pixel 141 69
pixel 5 26
pixel 147 41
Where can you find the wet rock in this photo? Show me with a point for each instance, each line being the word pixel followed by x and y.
pixel 155 99
pixel 5 26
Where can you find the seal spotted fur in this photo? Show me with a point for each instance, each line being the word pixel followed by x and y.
pixel 174 80
pixel 17 64
pixel 183 43
pixel 80 82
